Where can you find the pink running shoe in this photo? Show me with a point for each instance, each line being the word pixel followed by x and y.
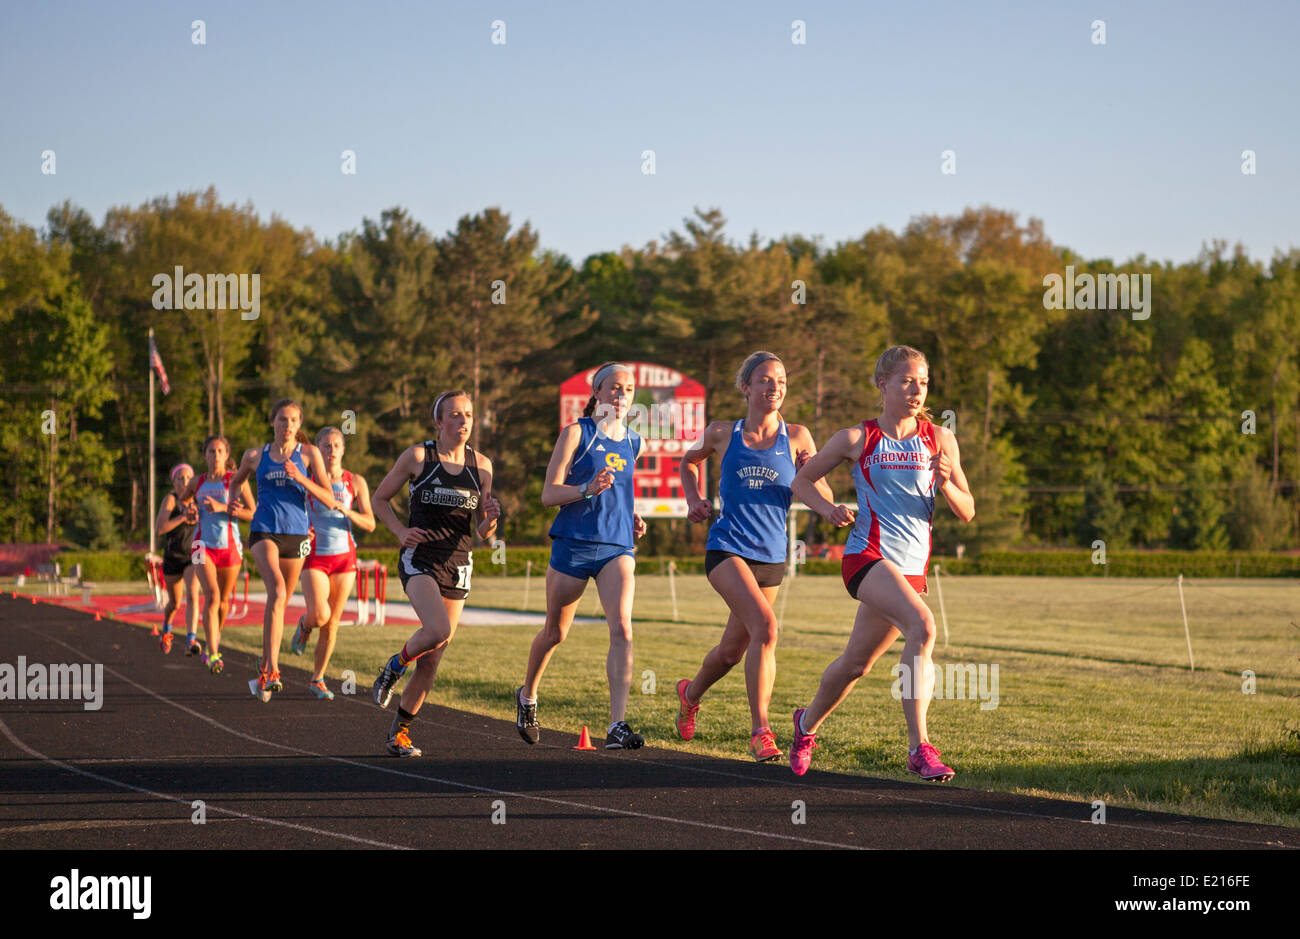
pixel 685 720
pixel 802 748
pixel 925 763
pixel 763 748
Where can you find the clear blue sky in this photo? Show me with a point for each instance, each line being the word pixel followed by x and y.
pixel 1129 147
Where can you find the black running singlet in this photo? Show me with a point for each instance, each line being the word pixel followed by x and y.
pixel 177 542
pixel 443 503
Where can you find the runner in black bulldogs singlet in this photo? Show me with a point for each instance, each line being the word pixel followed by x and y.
pixel 450 500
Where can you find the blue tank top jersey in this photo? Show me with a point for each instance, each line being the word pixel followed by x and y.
pixel 333 528
pixel 607 517
pixel 281 502
pixel 216 529
pixel 755 492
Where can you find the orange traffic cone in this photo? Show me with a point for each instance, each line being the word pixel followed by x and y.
pixel 584 742
pixel 96 617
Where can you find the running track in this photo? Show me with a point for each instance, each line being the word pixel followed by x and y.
pixel 299 773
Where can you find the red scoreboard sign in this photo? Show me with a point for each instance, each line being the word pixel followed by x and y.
pixel 668 411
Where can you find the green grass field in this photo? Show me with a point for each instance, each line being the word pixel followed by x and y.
pixel 1096 700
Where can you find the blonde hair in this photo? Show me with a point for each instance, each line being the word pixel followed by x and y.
pixel 751 363
pixel 325 432
pixel 890 361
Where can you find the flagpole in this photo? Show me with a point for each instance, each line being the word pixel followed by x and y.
pixel 153 509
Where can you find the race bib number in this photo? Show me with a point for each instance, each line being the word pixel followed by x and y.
pixel 197 554
pixel 463 573
pixel 304 549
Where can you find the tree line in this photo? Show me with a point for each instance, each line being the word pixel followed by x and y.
pixel 1180 429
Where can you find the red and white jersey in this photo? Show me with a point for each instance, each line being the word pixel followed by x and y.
pixel 895 487
pixel 331 529
pixel 216 529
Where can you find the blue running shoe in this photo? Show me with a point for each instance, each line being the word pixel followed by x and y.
pixel 298 644
pixel 388 675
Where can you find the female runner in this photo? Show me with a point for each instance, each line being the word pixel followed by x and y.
pixel 332 564
pixel 218 553
pixel 899 460
pixel 450 488
pixel 746 551
pixel 593 536
pixel 176 518
pixel 279 541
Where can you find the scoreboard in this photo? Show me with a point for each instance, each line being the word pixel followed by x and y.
pixel 668 411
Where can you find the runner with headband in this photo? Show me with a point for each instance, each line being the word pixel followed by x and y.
pixel 451 500
pixel 593 538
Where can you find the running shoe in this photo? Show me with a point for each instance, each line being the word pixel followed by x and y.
pixel 925 763
pixel 318 688
pixel 258 687
pixel 526 719
pixel 165 643
pixel 214 663
pixel 763 748
pixel 802 748
pixel 399 744
pixel 298 644
pixel 273 682
pixel 193 646
pixel 388 675
pixel 621 737
pixel 685 721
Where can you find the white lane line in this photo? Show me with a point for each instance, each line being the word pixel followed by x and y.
pixel 446 782
pixel 100 823
pixel 4 728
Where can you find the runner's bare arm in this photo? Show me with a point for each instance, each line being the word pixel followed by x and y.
pixel 362 516
pixel 555 492
pixel 697 506
pixel 845 445
pixel 949 478
pixel 805 448
pixel 404 470
pixel 489 509
pixel 247 467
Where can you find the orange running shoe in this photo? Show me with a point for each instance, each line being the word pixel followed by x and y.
pixel 165 643
pixel 399 744
pixel 258 687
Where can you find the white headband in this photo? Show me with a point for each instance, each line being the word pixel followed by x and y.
pixel 439 401
pixel 603 372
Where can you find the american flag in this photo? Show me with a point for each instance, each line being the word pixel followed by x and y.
pixel 155 363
